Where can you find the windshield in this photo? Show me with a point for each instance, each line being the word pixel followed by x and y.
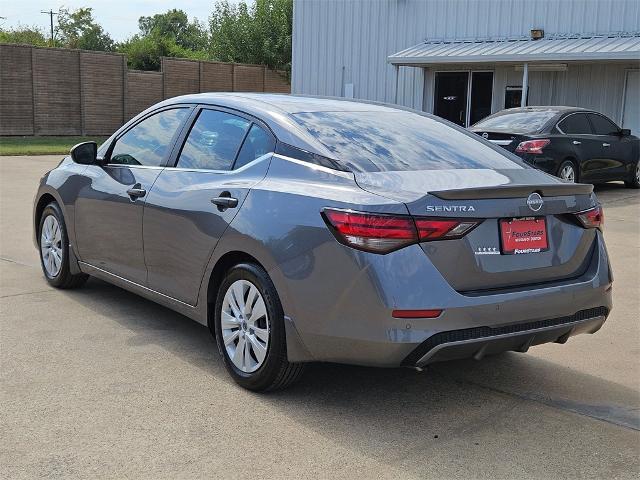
pixel 516 122
pixel 386 141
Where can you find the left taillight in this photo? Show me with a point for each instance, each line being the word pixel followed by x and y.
pixel 532 146
pixel 381 233
pixel 592 218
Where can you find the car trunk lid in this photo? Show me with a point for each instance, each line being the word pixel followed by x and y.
pixel 479 261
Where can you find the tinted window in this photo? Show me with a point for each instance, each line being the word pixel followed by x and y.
pixel 516 122
pixel 602 125
pixel 383 141
pixel 257 143
pixel 575 124
pixel 214 140
pixel 149 141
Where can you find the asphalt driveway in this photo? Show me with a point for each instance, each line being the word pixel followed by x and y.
pixel 100 383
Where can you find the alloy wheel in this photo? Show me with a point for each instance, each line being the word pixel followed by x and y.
pixel 245 326
pixel 567 173
pixel 51 245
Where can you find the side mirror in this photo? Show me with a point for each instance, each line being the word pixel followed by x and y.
pixel 625 132
pixel 85 153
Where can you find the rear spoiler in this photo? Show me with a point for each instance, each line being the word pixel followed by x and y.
pixel 515 191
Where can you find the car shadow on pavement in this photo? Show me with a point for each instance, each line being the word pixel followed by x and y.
pixel 391 413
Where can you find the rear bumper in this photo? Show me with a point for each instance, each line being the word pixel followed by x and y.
pixel 480 341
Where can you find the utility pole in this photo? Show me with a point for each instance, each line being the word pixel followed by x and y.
pixel 51 13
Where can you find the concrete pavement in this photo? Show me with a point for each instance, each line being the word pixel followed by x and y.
pixel 100 383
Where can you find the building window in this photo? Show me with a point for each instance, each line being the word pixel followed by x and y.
pixel 513 97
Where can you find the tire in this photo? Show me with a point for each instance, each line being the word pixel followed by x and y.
pixel 635 179
pixel 53 244
pixel 566 167
pixel 241 351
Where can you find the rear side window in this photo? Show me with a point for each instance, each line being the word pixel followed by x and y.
pixel 520 122
pixel 576 124
pixel 148 143
pixel 213 141
pixel 395 141
pixel 258 143
pixel 602 125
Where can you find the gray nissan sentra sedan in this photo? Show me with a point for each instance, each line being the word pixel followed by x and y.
pixel 304 229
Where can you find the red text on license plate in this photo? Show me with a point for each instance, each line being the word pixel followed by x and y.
pixel 523 235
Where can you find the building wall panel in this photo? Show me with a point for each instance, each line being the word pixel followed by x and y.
pixel 337 42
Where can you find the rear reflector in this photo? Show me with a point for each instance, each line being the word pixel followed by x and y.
pixel 380 233
pixel 416 313
pixel 592 218
pixel 532 146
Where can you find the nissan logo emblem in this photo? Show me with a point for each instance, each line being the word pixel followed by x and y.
pixel 485 135
pixel 535 201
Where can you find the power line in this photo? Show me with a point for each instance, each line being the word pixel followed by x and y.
pixel 51 13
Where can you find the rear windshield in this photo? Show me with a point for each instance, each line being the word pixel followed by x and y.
pixel 516 122
pixel 395 141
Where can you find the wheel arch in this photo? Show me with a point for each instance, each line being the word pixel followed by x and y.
pixel 44 199
pixel 571 158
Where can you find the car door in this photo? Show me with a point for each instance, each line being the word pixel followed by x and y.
pixel 191 205
pixel 582 144
pixel 615 149
pixel 109 208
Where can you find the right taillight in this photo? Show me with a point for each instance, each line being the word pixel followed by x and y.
pixel 382 233
pixel 532 146
pixel 592 218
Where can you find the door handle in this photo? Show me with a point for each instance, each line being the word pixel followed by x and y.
pixel 576 142
pixel 224 201
pixel 606 144
pixel 136 191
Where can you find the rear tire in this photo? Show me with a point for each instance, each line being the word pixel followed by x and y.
pixel 568 171
pixel 635 179
pixel 250 331
pixel 53 243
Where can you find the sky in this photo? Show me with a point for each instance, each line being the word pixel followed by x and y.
pixel 118 17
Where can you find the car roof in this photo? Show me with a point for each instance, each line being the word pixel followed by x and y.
pixel 544 108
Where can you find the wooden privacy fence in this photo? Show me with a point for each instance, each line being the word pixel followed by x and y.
pixel 55 91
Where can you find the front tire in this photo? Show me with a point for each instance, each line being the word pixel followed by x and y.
pixel 250 331
pixel 54 249
pixel 568 171
pixel 635 179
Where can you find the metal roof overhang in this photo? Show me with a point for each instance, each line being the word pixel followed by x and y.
pixel 597 48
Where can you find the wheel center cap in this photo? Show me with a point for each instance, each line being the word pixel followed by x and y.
pixel 243 324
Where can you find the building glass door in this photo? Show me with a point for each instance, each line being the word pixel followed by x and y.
pixel 451 96
pixel 463 97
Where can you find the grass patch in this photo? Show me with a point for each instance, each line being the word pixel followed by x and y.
pixel 42 145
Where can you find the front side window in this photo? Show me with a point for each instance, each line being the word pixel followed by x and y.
pixel 387 141
pixel 257 144
pixel 576 124
pixel 148 143
pixel 214 140
pixel 602 125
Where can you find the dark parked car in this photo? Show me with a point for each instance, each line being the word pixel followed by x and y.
pixel 301 229
pixel 572 143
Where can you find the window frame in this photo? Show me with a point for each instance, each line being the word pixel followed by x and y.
pixel 562 119
pixel 189 107
pixel 191 121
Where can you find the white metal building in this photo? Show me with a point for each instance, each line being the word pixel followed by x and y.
pixel 465 59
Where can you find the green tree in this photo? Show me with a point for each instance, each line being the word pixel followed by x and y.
pixel 78 29
pixel 174 24
pixel 260 33
pixel 26 35
pixel 144 52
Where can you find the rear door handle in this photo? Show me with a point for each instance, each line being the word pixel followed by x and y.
pixel 606 144
pixel 223 202
pixel 576 142
pixel 136 191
